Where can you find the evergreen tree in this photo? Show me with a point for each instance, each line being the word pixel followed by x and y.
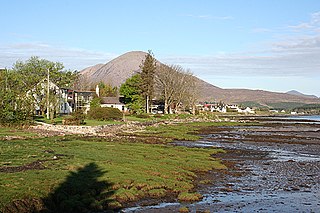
pixel 148 68
pixel 132 93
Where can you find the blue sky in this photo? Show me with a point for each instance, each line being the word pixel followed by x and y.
pixel 257 44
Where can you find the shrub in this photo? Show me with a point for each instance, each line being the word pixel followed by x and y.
pixel 105 113
pixel 184 210
pixel 189 197
pixel 143 115
pixel 76 118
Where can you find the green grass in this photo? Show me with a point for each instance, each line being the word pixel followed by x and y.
pixel 181 131
pixel 136 170
pixel 57 120
pixel 7 131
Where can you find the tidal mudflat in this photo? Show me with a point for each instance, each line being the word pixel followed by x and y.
pixel 274 166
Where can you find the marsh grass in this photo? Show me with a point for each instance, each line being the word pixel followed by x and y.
pixel 15 132
pixel 136 170
pixel 181 131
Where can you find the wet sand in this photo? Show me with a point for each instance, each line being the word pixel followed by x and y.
pixel 273 167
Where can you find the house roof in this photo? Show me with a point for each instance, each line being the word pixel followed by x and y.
pixel 110 100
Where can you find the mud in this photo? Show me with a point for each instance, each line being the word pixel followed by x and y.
pixel 272 167
pixel 36 165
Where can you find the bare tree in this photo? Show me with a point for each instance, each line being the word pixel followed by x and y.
pixel 177 87
pixel 83 83
pixel 191 93
pixel 165 85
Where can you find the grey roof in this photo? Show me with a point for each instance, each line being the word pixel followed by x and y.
pixel 110 100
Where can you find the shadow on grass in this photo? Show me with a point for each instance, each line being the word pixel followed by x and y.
pixel 82 191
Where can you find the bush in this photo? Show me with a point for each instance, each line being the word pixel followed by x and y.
pixel 144 115
pixel 189 197
pixel 15 117
pixel 184 210
pixel 76 118
pixel 105 114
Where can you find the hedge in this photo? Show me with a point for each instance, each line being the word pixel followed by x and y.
pixel 105 113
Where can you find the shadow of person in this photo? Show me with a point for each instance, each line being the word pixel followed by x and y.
pixel 82 191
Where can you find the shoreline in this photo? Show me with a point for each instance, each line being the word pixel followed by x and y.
pixel 279 135
pixel 256 179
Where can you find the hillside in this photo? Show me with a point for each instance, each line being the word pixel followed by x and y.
pixel 119 69
pixel 294 92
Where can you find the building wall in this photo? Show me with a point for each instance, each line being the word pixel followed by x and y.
pixel 120 107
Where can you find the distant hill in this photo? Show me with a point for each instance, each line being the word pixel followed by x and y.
pixel 117 70
pixel 121 68
pixel 295 92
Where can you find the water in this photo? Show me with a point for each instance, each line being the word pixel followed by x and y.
pixel 306 117
pixel 284 179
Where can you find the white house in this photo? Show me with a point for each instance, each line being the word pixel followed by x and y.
pixel 113 102
pixel 39 93
pixel 247 110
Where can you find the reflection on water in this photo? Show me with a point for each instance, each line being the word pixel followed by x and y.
pixel 306 117
pixel 275 154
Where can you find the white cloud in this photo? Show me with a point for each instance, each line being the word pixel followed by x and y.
pixel 297 56
pixel 72 58
pixel 210 17
pixel 312 26
pixel 261 30
pixel 294 55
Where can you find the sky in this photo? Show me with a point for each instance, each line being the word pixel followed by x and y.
pixel 271 45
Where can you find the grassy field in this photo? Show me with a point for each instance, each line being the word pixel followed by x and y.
pixel 14 132
pixel 180 131
pixel 119 171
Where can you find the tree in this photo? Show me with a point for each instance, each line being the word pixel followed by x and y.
pixel 132 93
pixel 148 68
pixel 107 90
pixel 82 83
pixel 34 76
pixel 15 106
pixel 165 85
pixel 95 103
pixel 176 86
pixel 23 88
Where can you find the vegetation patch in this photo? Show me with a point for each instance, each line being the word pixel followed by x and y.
pixel 184 210
pixel 189 197
pixel 12 133
pixel 124 171
pixel 105 114
pixel 165 133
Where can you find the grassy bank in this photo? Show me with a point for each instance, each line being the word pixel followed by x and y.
pixel 6 132
pixel 105 172
pixel 180 131
pixel 131 171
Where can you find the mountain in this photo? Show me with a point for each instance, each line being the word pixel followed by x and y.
pixel 295 92
pixel 119 69
pixel 213 93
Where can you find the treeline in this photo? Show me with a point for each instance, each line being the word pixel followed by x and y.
pixel 34 85
pixel 308 108
pixel 174 86
pixel 22 89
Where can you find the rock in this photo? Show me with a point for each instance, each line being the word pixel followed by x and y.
pixel 294 188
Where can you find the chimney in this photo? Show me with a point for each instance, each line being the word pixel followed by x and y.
pixel 97 90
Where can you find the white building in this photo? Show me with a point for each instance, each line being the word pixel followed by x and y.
pixel 113 102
